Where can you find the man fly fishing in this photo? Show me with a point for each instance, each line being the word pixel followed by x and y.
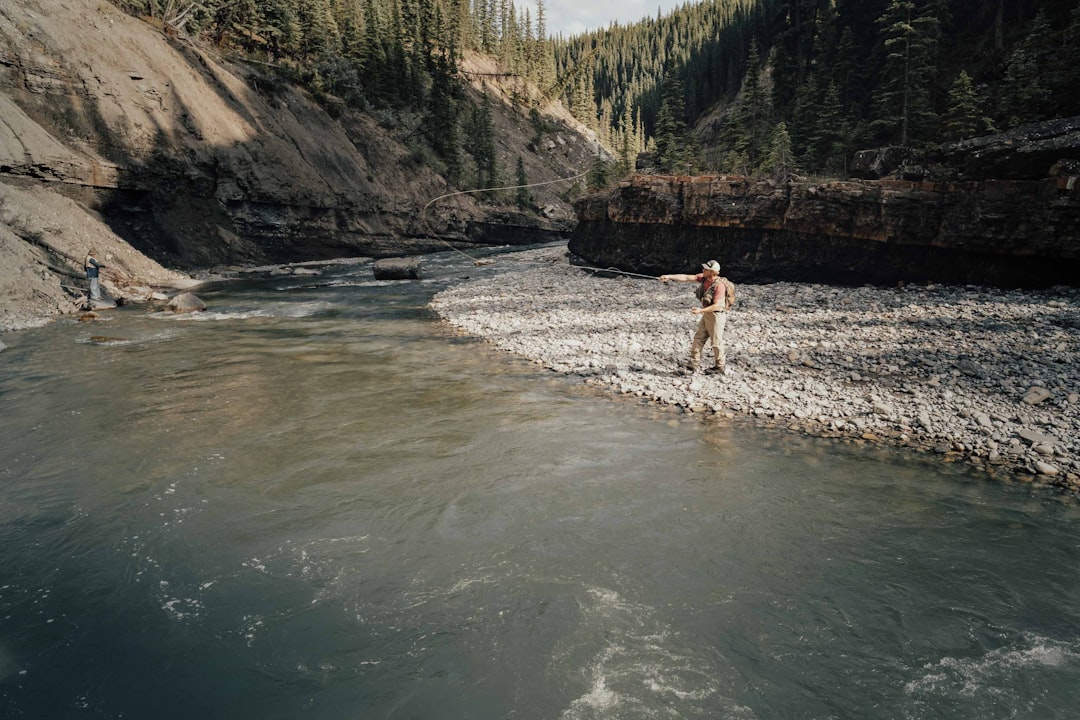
pixel 717 295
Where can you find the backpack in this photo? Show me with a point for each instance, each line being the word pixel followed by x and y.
pixel 729 293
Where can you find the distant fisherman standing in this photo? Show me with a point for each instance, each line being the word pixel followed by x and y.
pixel 717 294
pixel 92 266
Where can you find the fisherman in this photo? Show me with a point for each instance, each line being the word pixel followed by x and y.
pixel 716 295
pixel 92 266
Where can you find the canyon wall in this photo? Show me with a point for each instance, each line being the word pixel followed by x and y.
pixel 1015 233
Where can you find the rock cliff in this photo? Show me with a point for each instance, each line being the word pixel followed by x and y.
pixel 1018 233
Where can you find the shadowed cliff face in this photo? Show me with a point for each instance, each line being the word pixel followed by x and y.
pixel 197 161
pixel 995 232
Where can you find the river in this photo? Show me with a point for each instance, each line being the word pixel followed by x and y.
pixel 315 501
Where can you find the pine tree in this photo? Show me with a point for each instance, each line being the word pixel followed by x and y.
pixel 909 36
pixel 627 144
pixel 599 174
pixel 802 124
pixel 1033 80
pixel 962 114
pixel 1023 94
pixel 440 125
pixel 522 195
pixel 670 125
pixel 545 58
pixel 750 126
pixel 779 161
pixel 319 32
pixel 481 145
pixel 281 27
pixel 827 149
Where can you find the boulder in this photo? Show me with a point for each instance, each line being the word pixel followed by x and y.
pixel 185 303
pixel 400 268
pixel 881 162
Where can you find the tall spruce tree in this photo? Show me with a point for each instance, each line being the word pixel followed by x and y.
pixel 481 145
pixel 779 162
pixel 440 124
pixel 1023 95
pixel 909 36
pixel 599 173
pixel 961 119
pixel 676 150
pixel 522 195
pixel 828 144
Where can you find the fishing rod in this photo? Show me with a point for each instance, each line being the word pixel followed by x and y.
pixel 423 213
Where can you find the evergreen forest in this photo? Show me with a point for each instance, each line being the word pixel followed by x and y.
pixel 745 86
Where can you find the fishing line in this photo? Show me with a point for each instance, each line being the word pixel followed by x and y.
pixel 423 213
pixel 616 271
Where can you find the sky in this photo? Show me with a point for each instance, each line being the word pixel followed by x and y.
pixel 573 17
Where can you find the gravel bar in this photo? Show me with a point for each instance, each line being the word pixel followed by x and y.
pixel 978 374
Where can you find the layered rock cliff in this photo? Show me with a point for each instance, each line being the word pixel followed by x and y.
pixel 998 232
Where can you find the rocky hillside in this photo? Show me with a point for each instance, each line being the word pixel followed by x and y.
pixel 197 160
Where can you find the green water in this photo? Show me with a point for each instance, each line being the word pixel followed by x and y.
pixel 316 502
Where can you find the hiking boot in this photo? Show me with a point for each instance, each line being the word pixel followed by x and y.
pixel 688 368
pixel 716 370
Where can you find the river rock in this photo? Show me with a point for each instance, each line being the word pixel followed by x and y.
pixel 186 302
pixel 1044 468
pixel 1036 438
pixel 1036 395
pixel 402 268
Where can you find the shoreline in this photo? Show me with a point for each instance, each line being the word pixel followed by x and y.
pixel 974 374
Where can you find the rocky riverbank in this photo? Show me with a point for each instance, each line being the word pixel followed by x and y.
pixel 979 374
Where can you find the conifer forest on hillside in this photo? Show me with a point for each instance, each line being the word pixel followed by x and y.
pixel 740 86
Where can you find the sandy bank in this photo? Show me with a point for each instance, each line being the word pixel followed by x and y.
pixel 978 374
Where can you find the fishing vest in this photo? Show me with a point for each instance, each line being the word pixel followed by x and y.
pixel 707 295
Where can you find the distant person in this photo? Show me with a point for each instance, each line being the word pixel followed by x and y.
pixel 717 294
pixel 92 266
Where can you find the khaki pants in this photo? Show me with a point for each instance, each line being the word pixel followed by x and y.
pixel 711 328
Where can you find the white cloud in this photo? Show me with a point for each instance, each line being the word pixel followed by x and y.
pixel 573 17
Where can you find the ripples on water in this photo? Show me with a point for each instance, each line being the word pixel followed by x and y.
pixel 314 501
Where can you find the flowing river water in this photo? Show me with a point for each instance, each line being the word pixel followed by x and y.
pixel 314 501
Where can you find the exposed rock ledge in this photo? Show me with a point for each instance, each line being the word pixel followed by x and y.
pixel 1005 233
pixel 976 374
